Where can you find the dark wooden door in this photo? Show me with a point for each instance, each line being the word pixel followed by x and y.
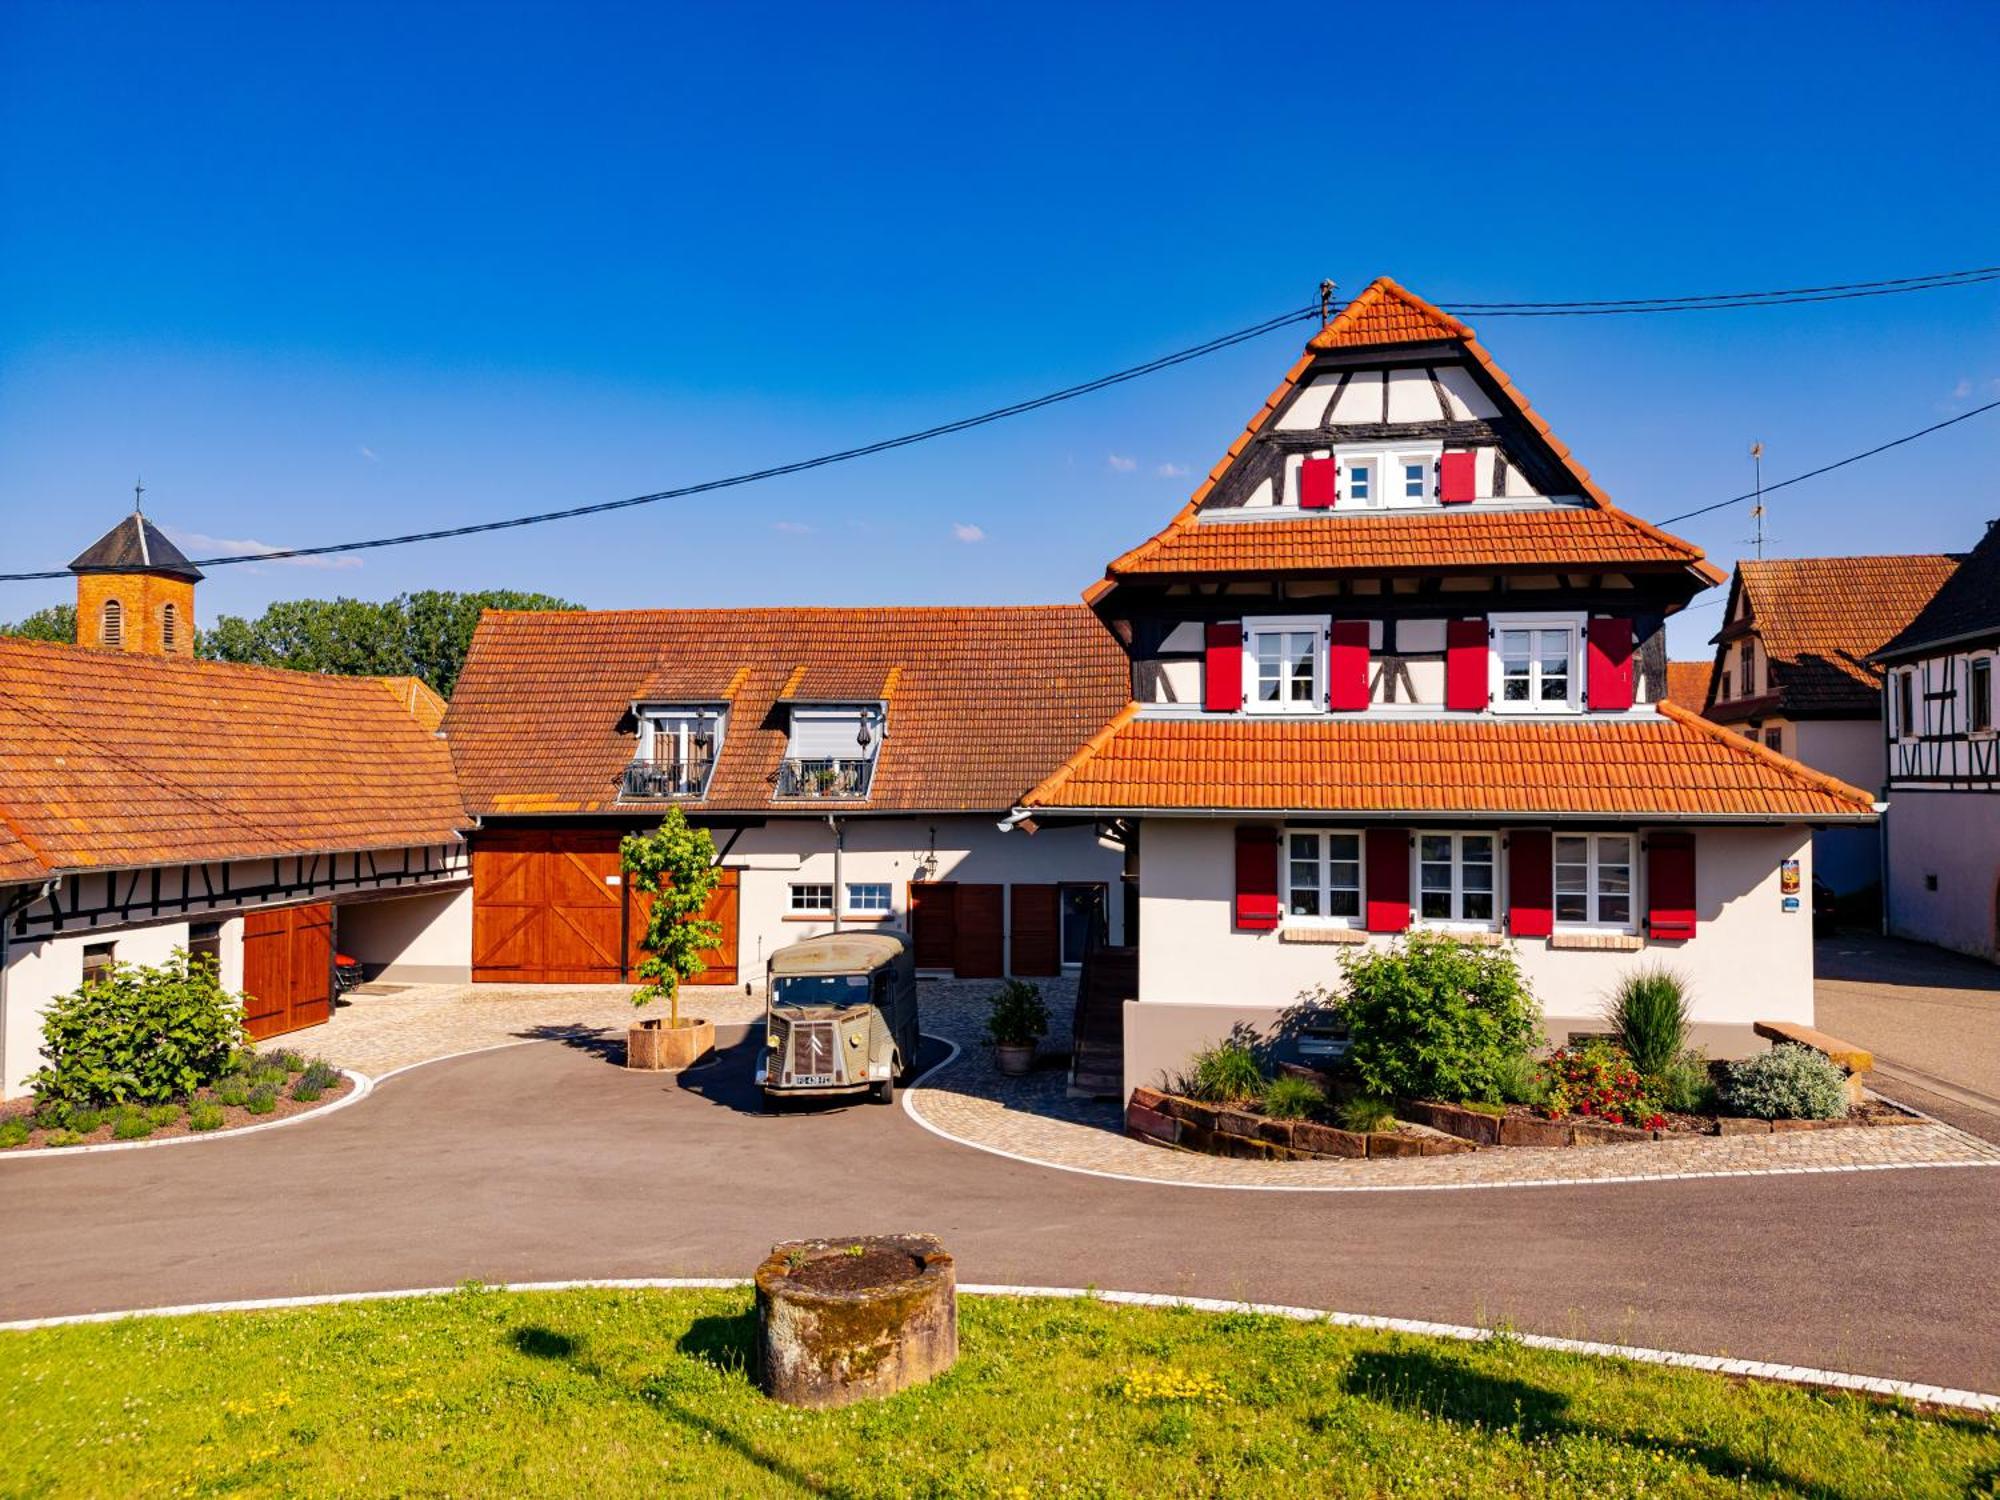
pixel 1036 947
pixel 980 923
pixel 547 906
pixel 721 909
pixel 287 969
pixel 933 925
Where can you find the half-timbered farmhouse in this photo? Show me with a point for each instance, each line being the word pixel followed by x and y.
pixel 1399 661
pixel 1942 830
pixel 852 765
pixel 150 801
pixel 1791 671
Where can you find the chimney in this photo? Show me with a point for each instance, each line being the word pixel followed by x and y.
pixel 135 592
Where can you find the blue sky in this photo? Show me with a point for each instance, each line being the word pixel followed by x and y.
pixel 320 272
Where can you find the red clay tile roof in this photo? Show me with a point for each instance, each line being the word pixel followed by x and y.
pixel 1676 766
pixel 1687 684
pixel 115 759
pixel 1819 618
pixel 1386 314
pixel 982 702
pixel 418 699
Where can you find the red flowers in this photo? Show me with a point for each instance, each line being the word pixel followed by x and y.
pixel 1597 1080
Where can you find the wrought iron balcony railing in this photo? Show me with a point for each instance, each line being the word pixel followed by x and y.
pixel 667 778
pixel 833 778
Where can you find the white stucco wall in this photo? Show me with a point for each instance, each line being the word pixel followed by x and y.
pixel 417 939
pixel 1954 837
pixel 1851 749
pixel 897 851
pixel 1748 961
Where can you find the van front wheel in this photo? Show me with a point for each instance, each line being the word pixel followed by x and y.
pixel 884 1092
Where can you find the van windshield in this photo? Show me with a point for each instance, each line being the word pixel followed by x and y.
pixel 820 989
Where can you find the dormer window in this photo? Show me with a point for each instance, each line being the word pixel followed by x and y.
pixel 832 750
pixel 1416 479
pixel 1361 481
pixel 1536 666
pixel 1284 665
pixel 677 749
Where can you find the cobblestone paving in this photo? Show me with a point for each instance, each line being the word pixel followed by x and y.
pixel 1033 1118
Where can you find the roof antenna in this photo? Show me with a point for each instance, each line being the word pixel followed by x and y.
pixel 1326 301
pixel 138 491
pixel 1757 510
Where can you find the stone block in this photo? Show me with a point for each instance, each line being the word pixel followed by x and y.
pixel 1446 1145
pixel 1277 1132
pixel 1388 1143
pixel 1515 1131
pixel 1854 1059
pixel 1147 1098
pixel 1452 1119
pixel 1604 1133
pixel 1151 1125
pixel 1188 1111
pixel 1326 1140
pixel 1742 1125
pixel 1807 1124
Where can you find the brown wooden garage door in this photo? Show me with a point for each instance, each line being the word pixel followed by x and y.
pixel 287 969
pixel 549 907
pixel 719 962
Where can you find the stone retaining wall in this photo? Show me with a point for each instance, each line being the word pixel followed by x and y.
pixel 1217 1130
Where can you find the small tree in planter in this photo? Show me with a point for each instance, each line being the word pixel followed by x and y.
pixel 675 865
pixel 1016 1020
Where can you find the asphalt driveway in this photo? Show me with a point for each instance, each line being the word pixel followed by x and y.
pixel 549 1161
pixel 1931 1018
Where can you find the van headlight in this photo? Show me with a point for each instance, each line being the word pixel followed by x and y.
pixel 771 1040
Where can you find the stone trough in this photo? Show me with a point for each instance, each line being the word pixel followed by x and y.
pixel 847 1320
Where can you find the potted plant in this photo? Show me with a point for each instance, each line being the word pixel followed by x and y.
pixel 675 865
pixel 1015 1021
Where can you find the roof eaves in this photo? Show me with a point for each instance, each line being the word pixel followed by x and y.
pixel 1833 786
pixel 1084 754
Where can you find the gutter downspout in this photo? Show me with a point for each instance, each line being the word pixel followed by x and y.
pixel 839 843
pixel 1882 861
pixel 12 908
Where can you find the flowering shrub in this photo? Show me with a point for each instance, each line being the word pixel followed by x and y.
pixel 1599 1081
pixel 1149 1385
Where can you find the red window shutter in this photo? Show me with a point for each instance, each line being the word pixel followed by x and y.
pixel 1388 878
pixel 1467 677
pixel 1319 483
pixel 1610 677
pixel 1670 905
pixel 1531 883
pixel 1455 478
pixel 1347 666
pixel 1222 675
pixel 1256 879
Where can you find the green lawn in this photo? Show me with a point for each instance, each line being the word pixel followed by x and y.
pixel 646 1393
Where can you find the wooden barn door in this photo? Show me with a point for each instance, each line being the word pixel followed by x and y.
pixel 547 906
pixel 933 925
pixel 287 969
pixel 980 920
pixel 721 909
pixel 1036 941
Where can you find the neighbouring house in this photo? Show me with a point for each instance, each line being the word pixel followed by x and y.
pixel 1791 671
pixel 1687 684
pixel 852 765
pixel 1942 830
pixel 1399 662
pixel 150 801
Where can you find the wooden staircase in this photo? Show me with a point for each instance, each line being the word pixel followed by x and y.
pixel 1109 977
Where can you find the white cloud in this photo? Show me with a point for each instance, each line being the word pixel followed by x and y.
pixel 228 546
pixel 1120 464
pixel 369 454
pixel 1171 471
pixel 965 531
pixel 793 528
pixel 1962 391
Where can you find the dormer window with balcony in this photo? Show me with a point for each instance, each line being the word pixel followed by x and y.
pixel 678 744
pixel 832 750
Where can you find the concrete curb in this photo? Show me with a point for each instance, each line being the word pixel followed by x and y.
pixel 1872 1385
pixel 363 1087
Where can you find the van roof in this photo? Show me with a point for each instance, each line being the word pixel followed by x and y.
pixel 840 953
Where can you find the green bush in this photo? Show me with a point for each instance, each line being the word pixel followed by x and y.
pixel 1290 1097
pixel 204 1116
pixel 163 1115
pixel 244 1060
pixel 1364 1113
pixel 62 1138
pixel 1223 1074
pixel 233 1090
pixel 1787 1083
pixel 13 1133
pixel 1649 1015
pixel 137 1035
pixel 83 1121
pixel 1685 1085
pixel 1016 1016
pixel 320 1073
pixel 1434 1017
pixel 131 1125
pixel 306 1092
pixel 267 1076
pixel 286 1058
pixel 263 1099
pixel 1519 1079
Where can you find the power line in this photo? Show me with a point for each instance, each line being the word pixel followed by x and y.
pixel 1729 301
pixel 1852 458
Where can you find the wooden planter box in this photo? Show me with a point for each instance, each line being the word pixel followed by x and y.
pixel 654 1046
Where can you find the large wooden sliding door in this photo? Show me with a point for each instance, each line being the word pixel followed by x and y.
pixel 287 969
pixel 1036 941
pixel 980 920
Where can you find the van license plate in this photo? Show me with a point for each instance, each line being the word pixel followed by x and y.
pixel 813 1080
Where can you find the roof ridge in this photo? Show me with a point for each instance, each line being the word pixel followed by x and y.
pixel 1371 297
pixel 1052 607
pixel 1832 785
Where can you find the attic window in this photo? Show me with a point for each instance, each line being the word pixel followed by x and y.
pixel 831 752
pixel 170 627
pixel 113 624
pixel 677 749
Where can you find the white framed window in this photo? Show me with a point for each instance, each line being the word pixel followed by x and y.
pixel 868 898
pixel 1903 706
pixel 1374 478
pixel 1979 695
pixel 811 899
pixel 1413 478
pixel 1284 665
pixel 1537 664
pixel 1323 876
pixel 1360 476
pixel 1594 880
pixel 1455 878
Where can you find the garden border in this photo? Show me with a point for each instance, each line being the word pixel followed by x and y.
pixel 1714 1364
pixel 363 1087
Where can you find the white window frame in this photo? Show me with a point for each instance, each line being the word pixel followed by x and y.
pixel 1457 920
pixel 1593 893
pixel 794 907
pixel 856 909
pixel 1319 627
pixel 1992 665
pixel 1427 483
pixel 1902 703
pixel 1372 464
pixel 1324 886
pixel 1497 625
